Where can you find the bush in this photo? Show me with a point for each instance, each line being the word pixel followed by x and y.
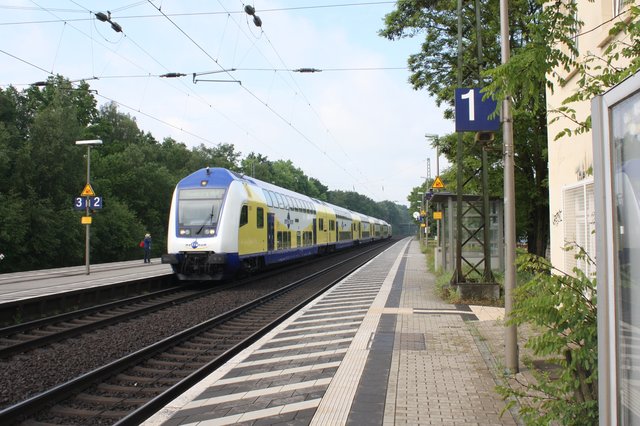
pixel 563 307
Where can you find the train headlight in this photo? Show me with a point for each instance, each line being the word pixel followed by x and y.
pixel 185 232
pixel 211 231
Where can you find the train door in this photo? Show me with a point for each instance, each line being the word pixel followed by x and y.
pixel 315 233
pixel 270 230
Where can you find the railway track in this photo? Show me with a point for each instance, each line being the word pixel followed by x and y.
pixel 134 387
pixel 34 334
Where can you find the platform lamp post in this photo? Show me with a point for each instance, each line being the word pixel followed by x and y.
pixel 420 231
pixel 435 142
pixel 511 332
pixel 89 144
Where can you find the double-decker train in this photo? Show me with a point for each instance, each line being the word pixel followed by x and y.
pixel 222 223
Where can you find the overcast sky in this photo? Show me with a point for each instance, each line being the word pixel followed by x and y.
pixel 356 125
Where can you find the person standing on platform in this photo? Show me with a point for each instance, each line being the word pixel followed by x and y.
pixel 147 248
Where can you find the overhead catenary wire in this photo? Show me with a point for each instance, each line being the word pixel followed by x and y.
pixel 315 112
pixel 141 47
pixel 251 93
pixel 188 87
pixel 128 107
pixel 202 100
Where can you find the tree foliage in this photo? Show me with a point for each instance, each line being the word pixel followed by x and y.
pixel 596 74
pixel 435 69
pixel 42 170
pixel 564 308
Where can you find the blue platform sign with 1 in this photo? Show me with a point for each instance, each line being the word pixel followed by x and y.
pixel 80 203
pixel 472 113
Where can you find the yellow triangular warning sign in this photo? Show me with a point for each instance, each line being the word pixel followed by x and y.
pixel 87 191
pixel 437 184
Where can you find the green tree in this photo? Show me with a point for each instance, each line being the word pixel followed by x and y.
pixel 39 163
pixel 221 155
pixel 257 166
pixel 564 310
pixel 117 232
pixel 435 70
pixel 15 233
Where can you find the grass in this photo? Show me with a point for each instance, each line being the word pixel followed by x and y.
pixel 446 292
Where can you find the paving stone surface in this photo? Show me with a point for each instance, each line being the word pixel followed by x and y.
pixel 381 349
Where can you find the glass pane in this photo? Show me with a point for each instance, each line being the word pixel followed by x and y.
pixel 267 197
pixel 626 163
pixel 199 207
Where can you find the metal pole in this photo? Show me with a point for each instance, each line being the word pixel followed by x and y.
pixel 438 174
pixel 437 157
pixel 426 191
pixel 88 143
pixel 88 231
pixel 486 234
pixel 423 218
pixel 510 337
pixel 458 276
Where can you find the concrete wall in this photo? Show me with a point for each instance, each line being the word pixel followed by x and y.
pixel 570 157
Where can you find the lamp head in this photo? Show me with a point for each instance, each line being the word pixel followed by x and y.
pixel 89 142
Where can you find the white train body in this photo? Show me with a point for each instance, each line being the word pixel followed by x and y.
pixel 222 222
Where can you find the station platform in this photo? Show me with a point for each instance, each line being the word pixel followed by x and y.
pixel 20 286
pixel 379 348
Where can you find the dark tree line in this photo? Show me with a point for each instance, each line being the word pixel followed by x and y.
pixel 41 170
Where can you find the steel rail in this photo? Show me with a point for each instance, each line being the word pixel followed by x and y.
pixel 74 386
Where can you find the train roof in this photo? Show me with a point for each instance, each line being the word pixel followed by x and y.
pixel 224 177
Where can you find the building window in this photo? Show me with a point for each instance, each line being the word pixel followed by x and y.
pixel 578 215
pixel 619 5
pixel 575 32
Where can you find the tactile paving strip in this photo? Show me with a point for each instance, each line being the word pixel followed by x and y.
pixel 288 376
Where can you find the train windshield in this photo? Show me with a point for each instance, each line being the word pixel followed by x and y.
pixel 199 210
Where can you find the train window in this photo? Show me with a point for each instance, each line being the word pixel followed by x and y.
pixel 289 201
pixel 267 196
pixel 280 200
pixel 332 225
pixel 260 218
pixel 297 202
pixel 199 207
pixel 321 224
pixel 244 215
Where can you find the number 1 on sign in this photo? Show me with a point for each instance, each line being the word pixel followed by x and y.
pixel 472 110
